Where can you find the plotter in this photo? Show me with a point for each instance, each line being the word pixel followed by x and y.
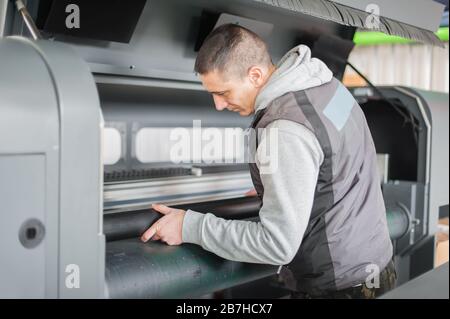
pixel 88 122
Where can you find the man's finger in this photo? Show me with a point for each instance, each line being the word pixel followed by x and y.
pixel 161 208
pixel 149 233
pixel 251 192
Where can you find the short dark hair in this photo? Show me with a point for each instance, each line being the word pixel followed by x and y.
pixel 231 48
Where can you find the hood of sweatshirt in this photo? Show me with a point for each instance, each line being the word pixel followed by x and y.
pixel 296 71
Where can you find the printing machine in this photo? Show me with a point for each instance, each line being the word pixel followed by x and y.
pixel 86 131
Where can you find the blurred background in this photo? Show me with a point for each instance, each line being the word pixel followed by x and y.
pixel 391 60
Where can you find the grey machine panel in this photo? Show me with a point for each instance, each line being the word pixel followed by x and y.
pixel 163 46
pixel 438 107
pixel 431 285
pixel 49 115
pixel 29 163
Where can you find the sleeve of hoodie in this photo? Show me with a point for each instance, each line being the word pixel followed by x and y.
pixel 288 199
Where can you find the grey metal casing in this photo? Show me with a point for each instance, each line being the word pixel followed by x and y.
pixel 162 46
pixel 438 108
pixel 433 109
pixel 50 170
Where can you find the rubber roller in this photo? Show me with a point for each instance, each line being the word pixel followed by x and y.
pixel 156 270
pixel 133 224
pixel 398 220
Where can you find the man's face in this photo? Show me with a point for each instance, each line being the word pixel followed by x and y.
pixel 231 92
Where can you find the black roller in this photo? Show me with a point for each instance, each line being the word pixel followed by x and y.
pixel 124 225
pixel 118 226
pixel 398 220
pixel 154 270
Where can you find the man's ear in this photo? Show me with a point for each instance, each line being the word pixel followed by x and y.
pixel 256 76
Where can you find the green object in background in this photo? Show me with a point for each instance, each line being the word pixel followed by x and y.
pixel 443 33
pixel 375 38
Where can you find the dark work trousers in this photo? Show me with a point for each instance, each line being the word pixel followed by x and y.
pixel 388 279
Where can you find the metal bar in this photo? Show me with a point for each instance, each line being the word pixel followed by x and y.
pixel 3 10
pixel 35 33
pixel 174 190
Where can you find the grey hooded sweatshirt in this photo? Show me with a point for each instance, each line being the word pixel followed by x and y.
pixel 289 192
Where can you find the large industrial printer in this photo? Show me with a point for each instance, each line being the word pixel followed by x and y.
pixel 87 118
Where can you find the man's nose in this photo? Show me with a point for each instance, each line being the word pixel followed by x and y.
pixel 220 103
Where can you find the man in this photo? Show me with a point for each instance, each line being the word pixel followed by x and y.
pixel 323 215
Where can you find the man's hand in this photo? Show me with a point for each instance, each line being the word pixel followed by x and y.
pixel 251 193
pixel 168 228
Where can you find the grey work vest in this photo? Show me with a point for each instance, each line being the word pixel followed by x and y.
pixel 347 239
